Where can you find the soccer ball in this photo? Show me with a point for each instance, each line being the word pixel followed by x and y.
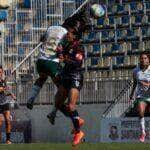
pixel 97 10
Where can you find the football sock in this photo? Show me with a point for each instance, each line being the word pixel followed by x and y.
pixel 142 123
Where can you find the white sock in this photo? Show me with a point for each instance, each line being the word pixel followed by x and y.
pixel 142 123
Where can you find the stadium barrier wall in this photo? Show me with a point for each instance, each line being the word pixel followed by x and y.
pixel 123 129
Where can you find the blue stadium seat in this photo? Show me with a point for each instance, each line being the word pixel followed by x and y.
pixel 26 38
pixel 111 1
pixel 109 9
pixel 100 21
pixel 115 47
pixel 120 8
pixel 147 4
pixel 21 15
pixel 111 20
pixel 105 34
pixel 27 3
pixel 144 32
pixel 20 26
pixel 21 51
pixel 121 33
pixel 91 36
pixel 24 3
pixel 133 6
pixel 49 11
pixel 96 48
pixel 94 61
pixel 125 20
pixel 3 15
pixel 9 40
pixel 130 32
pixel 119 60
pixel 138 19
pixel 134 45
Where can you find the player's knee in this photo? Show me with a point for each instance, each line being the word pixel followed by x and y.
pixel 71 107
pixel 141 113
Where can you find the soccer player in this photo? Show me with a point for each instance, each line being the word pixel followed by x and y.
pixel 141 88
pixel 76 25
pixel 47 63
pixel 4 106
pixel 70 86
pixel 54 41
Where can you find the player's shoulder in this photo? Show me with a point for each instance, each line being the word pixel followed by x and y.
pixel 56 28
pixel 136 70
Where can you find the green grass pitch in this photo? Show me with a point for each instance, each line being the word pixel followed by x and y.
pixel 85 146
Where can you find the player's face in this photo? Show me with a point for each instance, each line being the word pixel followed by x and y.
pixel 1 73
pixel 70 36
pixel 144 60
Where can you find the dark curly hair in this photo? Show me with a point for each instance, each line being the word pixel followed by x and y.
pixel 80 22
pixel 145 53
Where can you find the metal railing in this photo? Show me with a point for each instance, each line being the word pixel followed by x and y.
pixel 94 91
pixel 120 103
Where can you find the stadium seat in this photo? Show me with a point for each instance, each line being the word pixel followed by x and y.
pixel 96 48
pixel 21 51
pixel 115 47
pixel 111 20
pixel 147 5
pixel 24 3
pixel 119 60
pixel 91 36
pixel 134 46
pixel 144 32
pixel 100 22
pixel 94 61
pixel 133 6
pixel 105 35
pixel 125 20
pixel 120 8
pixel 3 15
pixel 138 19
pixel 130 33
pixel 26 38
pixel 9 39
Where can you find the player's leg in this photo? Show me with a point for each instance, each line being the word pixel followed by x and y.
pixel 73 86
pixel 54 72
pixel 1 123
pixel 6 114
pixel 141 106
pixel 42 71
pixel 36 89
pixel 76 120
pixel 60 98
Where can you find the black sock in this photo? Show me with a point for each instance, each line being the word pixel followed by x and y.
pixel 65 111
pixel 74 117
pixel 7 136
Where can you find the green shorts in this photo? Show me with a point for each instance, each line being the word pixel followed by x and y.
pixel 139 100
pixel 49 67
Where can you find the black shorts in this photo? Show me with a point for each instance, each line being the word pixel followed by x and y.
pixel 72 81
pixel 4 108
